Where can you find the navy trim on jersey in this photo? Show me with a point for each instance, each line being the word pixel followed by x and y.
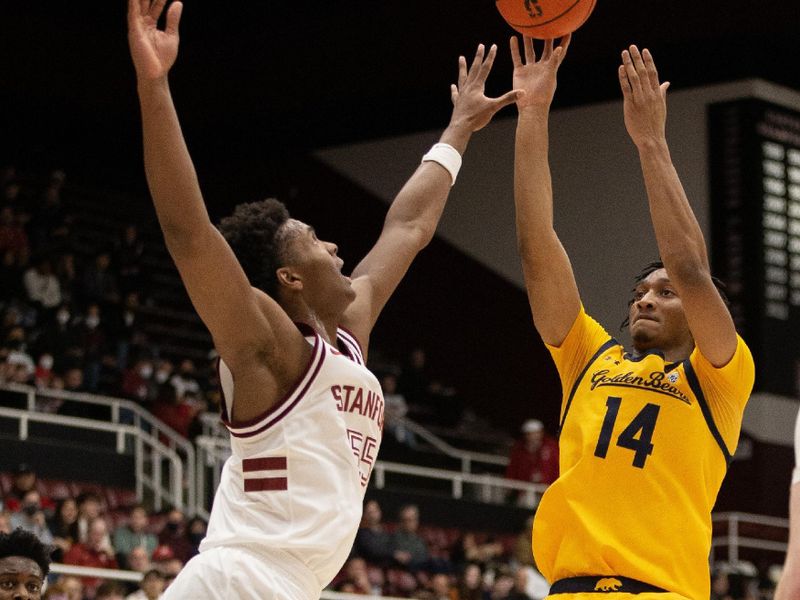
pixel 642 356
pixel 694 383
pixel 603 584
pixel 609 344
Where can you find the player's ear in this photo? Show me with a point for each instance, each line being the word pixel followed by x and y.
pixel 290 279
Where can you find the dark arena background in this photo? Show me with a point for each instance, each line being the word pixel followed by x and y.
pixel 320 104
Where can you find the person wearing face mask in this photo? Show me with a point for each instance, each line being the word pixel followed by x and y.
pixel 30 517
pixel 137 383
pixel 43 374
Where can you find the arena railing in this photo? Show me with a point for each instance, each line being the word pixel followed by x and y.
pixel 145 446
pixel 213 427
pixel 213 451
pixel 748 531
pixel 136 577
pixel 150 429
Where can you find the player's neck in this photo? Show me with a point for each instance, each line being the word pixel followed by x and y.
pixel 672 354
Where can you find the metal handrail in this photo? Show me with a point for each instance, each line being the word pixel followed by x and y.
pixel 212 426
pixel 141 439
pixel 141 418
pixel 733 541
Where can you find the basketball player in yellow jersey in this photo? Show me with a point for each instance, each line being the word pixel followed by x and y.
pixel 646 436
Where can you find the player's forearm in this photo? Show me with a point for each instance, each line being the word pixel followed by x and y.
pixel 533 188
pixel 678 234
pixel 168 166
pixel 420 203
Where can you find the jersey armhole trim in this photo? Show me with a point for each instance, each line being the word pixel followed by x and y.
pixel 609 344
pixel 349 337
pixel 276 412
pixel 694 383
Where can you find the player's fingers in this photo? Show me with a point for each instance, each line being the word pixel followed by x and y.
pixel 462 71
pixel 530 53
pixel 564 44
pixel 134 11
pixel 638 63
pixel 516 59
pixel 156 8
pixel 630 71
pixel 547 52
pixel 663 89
pixel 650 65
pixel 174 17
pixel 486 67
pixel 624 84
pixel 476 62
pixel 453 93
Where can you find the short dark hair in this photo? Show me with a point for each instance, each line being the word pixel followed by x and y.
pixel 251 233
pixel 24 543
pixel 655 266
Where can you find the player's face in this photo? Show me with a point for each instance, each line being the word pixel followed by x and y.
pixel 657 320
pixel 20 579
pixel 320 267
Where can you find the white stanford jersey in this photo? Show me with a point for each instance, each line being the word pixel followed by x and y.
pixel 296 479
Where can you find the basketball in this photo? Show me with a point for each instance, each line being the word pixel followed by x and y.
pixel 545 19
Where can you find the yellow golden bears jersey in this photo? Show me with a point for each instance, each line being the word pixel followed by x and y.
pixel 644 448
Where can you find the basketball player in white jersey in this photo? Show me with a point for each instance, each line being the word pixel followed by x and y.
pixel 789 585
pixel 305 415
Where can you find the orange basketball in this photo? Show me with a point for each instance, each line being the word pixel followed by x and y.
pixel 545 19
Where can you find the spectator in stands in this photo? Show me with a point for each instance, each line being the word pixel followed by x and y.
pixel 110 590
pixel 90 507
pixel 396 408
pixel 167 563
pixel 64 527
pixel 31 517
pixel 534 457
pixel 503 586
pixel 67 274
pixel 467 550
pixel 522 553
pixel 173 535
pixel 720 584
pixel 373 542
pixel 66 587
pixel 95 552
pixel 408 548
pixel 529 584
pixel 355 573
pixel 138 559
pixel 151 587
pixel 132 535
pixel 58 337
pixel 43 373
pixel 42 286
pixel 24 480
pixel 92 336
pixel 125 326
pixel 137 383
pixel 195 532
pixel 441 587
pixel 128 252
pixel 174 410
pixel 24 565
pixel 185 380
pixel 13 236
pixel 470 583
pixel 100 283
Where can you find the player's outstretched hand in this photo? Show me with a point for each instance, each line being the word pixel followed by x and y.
pixel 537 78
pixel 470 104
pixel 153 51
pixel 645 99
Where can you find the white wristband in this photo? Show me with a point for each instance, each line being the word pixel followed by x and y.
pixel 447 156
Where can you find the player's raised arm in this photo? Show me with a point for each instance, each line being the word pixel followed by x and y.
pixel 241 324
pixel 414 214
pixel 552 291
pixel 680 240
